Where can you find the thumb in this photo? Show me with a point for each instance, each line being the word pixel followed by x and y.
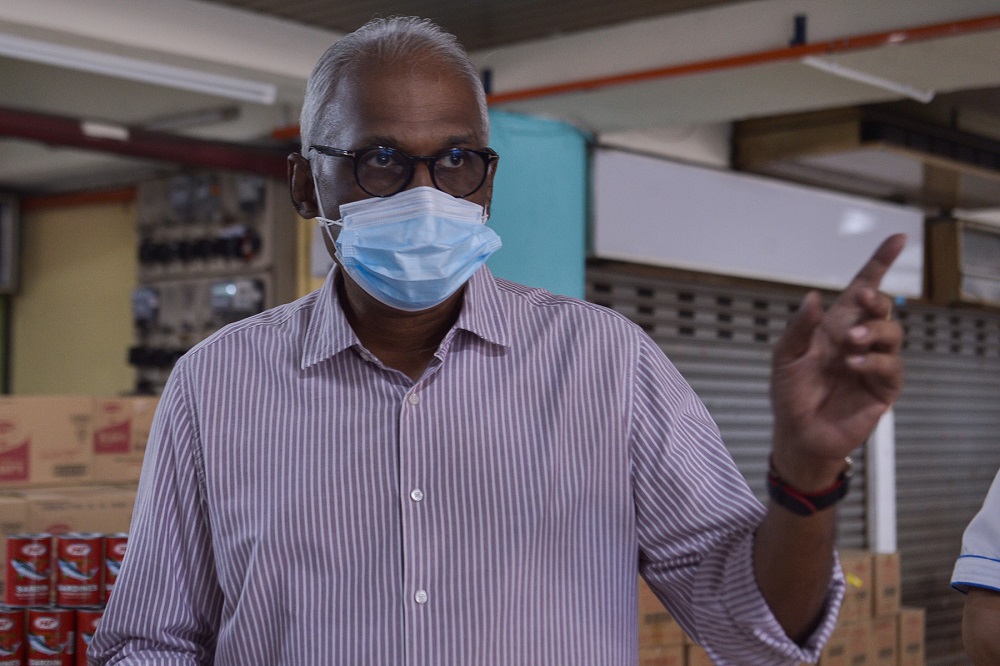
pixel 795 340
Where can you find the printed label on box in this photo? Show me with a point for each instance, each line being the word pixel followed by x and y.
pixel 14 462
pixel 113 439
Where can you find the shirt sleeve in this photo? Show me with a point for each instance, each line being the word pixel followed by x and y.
pixel 979 563
pixel 696 518
pixel 166 603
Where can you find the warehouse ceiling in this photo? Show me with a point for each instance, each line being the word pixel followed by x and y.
pixel 477 24
pixel 602 75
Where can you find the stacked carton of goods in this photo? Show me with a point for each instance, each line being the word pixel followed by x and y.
pixel 48 441
pixel 68 469
pixel 661 639
pixel 873 629
pixel 70 463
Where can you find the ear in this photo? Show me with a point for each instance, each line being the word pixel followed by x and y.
pixel 301 186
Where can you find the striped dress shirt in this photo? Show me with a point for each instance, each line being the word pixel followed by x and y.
pixel 301 503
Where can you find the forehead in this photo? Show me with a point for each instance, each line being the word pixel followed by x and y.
pixel 417 105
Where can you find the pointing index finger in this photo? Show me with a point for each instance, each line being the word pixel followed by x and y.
pixel 878 265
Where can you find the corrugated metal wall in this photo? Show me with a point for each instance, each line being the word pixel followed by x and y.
pixel 720 338
pixel 947 453
pixel 947 420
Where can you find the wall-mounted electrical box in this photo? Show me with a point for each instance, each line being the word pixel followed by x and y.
pixel 214 247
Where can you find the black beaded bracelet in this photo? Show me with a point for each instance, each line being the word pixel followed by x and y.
pixel 806 504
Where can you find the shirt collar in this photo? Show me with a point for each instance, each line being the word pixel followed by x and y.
pixel 482 311
pixel 328 333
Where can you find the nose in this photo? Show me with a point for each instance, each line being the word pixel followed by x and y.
pixel 421 175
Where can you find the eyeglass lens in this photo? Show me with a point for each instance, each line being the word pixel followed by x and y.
pixel 385 171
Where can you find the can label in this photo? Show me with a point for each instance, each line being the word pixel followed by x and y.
pixel 114 552
pixel 12 649
pixel 29 570
pixel 78 578
pixel 87 620
pixel 50 637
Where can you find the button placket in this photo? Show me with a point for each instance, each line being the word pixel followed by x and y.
pixel 411 480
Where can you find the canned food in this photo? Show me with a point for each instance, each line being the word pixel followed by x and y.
pixel 114 553
pixel 87 620
pixel 80 559
pixel 50 637
pixel 12 649
pixel 29 570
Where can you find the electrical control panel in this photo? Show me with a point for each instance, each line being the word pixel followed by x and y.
pixel 214 248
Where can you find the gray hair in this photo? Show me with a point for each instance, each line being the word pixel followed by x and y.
pixel 386 40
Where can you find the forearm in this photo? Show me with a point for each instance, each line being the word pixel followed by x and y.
pixel 979 626
pixel 793 562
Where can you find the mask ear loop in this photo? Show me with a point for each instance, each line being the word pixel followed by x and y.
pixel 324 222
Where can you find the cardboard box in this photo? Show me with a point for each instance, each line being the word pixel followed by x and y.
pixel 858 643
pixel 661 656
pixel 648 602
pixel 44 440
pixel 857 566
pixel 104 509
pixel 696 656
pixel 882 648
pixel 835 653
pixel 885 590
pixel 659 629
pixel 656 626
pixel 911 636
pixel 120 430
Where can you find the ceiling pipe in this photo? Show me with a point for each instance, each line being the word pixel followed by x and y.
pixel 830 47
pixel 143 144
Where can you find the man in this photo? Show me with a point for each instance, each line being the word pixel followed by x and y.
pixel 422 464
pixel 977 574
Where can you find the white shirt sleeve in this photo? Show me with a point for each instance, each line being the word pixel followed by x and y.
pixel 979 563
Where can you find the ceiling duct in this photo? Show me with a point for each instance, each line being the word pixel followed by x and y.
pixel 866 151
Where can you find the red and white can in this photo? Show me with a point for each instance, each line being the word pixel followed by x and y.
pixel 29 570
pixel 87 620
pixel 114 552
pixel 50 637
pixel 12 648
pixel 80 558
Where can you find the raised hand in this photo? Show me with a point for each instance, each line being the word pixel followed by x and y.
pixel 834 373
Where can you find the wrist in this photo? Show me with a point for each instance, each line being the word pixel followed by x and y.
pixel 807 473
pixel 807 503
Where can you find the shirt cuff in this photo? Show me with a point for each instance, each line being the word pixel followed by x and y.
pixel 976 571
pixel 737 626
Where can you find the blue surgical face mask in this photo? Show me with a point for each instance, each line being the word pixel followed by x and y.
pixel 413 250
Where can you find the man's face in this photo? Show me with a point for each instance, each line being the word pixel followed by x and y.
pixel 421 108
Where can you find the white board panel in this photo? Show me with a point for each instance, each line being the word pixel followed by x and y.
pixel 653 211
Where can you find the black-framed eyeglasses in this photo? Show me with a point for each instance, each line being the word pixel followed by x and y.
pixel 382 171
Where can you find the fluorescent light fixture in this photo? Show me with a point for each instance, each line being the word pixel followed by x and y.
pixel 134 69
pixel 99 130
pixel 836 69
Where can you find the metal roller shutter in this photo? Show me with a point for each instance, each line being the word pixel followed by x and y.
pixel 720 338
pixel 947 453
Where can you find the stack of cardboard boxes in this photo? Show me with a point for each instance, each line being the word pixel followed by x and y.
pixel 70 463
pixel 872 629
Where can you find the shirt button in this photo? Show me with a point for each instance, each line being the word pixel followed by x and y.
pixel 420 597
pixel 417 495
pixel 413 399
